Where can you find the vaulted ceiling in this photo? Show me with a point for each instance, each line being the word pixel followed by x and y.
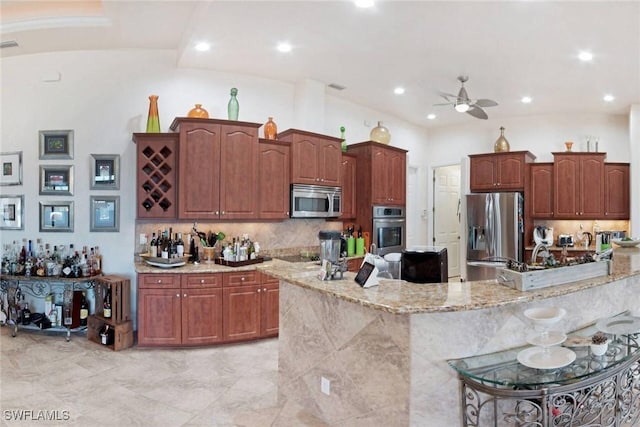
pixel 509 49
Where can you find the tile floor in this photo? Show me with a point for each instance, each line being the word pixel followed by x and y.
pixel 230 385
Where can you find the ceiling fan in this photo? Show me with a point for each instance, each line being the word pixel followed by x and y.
pixel 463 104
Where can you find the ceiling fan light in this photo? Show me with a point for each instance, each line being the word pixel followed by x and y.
pixel 462 107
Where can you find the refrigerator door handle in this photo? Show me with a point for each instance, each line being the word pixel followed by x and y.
pixel 489 224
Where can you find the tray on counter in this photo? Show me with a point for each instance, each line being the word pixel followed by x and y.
pixel 531 280
pixel 221 261
pixel 159 260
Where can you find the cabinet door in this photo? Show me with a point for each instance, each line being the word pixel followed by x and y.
pixel 269 310
pixel 348 187
pixel 156 166
pixel 566 194
pixel 329 161
pixel 238 172
pixel 241 313
pixel 510 173
pixel 591 187
pixel 541 193
pixel 379 177
pixel 482 173
pixel 397 178
pixel 199 186
pixel 305 152
pixel 159 317
pixel 273 180
pixel 201 316
pixel 616 191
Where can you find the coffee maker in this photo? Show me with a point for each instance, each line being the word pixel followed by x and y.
pixel 333 265
pixel 543 235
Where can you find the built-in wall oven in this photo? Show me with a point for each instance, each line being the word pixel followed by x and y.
pixel 389 224
pixel 315 201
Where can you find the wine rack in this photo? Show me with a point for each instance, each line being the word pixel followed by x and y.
pixel 156 174
pixel 120 321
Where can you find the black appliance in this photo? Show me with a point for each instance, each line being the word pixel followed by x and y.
pixel 425 264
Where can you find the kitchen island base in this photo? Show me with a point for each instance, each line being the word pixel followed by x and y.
pixel 387 368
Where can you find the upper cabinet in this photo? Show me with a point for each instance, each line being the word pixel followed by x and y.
pixel 539 196
pixel 348 186
pixel 578 185
pixel 273 179
pixel 616 191
pixel 315 159
pixel 218 169
pixel 156 166
pixel 499 171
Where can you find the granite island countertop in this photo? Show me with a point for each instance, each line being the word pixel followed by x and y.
pixel 401 297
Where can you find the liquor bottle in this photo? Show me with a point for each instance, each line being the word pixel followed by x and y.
pixel 153 248
pixel 26 314
pixel 97 261
pixel 84 310
pixel 104 335
pixel 179 246
pixel 107 303
pixel 171 244
pixel 165 245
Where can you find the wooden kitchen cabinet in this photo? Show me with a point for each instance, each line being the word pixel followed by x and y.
pixel 315 159
pixel 349 173
pixel 578 185
pixel 499 171
pixel 274 178
pixel 388 177
pixel 218 164
pixel 156 167
pixel 269 306
pixel 177 309
pixel 241 305
pixel 616 191
pixel 540 194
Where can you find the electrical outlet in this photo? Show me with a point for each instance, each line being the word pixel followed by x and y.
pixel 325 386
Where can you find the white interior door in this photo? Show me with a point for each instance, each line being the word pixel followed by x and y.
pixel 447 213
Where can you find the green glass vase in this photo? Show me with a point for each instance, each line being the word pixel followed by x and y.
pixel 233 108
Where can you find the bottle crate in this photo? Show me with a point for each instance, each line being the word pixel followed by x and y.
pixel 122 336
pixel 120 298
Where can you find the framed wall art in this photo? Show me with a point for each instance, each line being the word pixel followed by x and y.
pixel 11 164
pixel 56 180
pixel 56 216
pixel 12 212
pixel 105 213
pixel 56 144
pixel 105 172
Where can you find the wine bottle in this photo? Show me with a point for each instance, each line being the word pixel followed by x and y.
pixel 84 310
pixel 26 314
pixel 171 244
pixel 179 246
pixel 107 303
pixel 97 261
pixel 104 335
pixel 153 248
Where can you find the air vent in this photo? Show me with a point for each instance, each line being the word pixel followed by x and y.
pixel 336 86
pixel 8 43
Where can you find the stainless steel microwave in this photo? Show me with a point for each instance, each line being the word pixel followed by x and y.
pixel 315 201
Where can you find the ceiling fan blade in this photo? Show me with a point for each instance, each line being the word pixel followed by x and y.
pixel 444 103
pixel 477 112
pixel 446 95
pixel 485 103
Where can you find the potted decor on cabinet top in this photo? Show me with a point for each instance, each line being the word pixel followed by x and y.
pixel 198 112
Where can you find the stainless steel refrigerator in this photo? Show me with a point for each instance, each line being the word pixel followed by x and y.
pixel 495 232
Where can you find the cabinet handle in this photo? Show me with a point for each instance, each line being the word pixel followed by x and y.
pixel 217 212
pixel 159 281
pixel 177 295
pixel 184 295
pixel 242 279
pixel 201 280
pixel 258 290
pixel 222 212
pixel 264 289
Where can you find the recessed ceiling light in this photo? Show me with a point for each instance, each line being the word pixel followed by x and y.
pixel 284 47
pixel 364 3
pixel 202 47
pixel 526 100
pixel 585 56
pixel 608 97
pixel 431 116
pixel 399 90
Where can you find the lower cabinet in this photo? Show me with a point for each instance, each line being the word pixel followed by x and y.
pixel 204 309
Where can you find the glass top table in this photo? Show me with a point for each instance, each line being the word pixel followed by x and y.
pixel 503 370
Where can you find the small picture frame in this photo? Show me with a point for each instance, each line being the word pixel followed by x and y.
pixel 56 180
pixel 11 173
pixel 105 213
pixel 56 144
pixel 12 212
pixel 105 172
pixel 56 216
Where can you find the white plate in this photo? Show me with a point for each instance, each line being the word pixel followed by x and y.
pixel 554 358
pixel 163 265
pixel 577 341
pixel 626 243
pixel 551 338
pixel 620 325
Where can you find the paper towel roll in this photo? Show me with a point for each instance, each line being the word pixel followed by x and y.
pixel 360 246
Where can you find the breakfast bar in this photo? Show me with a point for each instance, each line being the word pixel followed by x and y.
pixel 379 356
